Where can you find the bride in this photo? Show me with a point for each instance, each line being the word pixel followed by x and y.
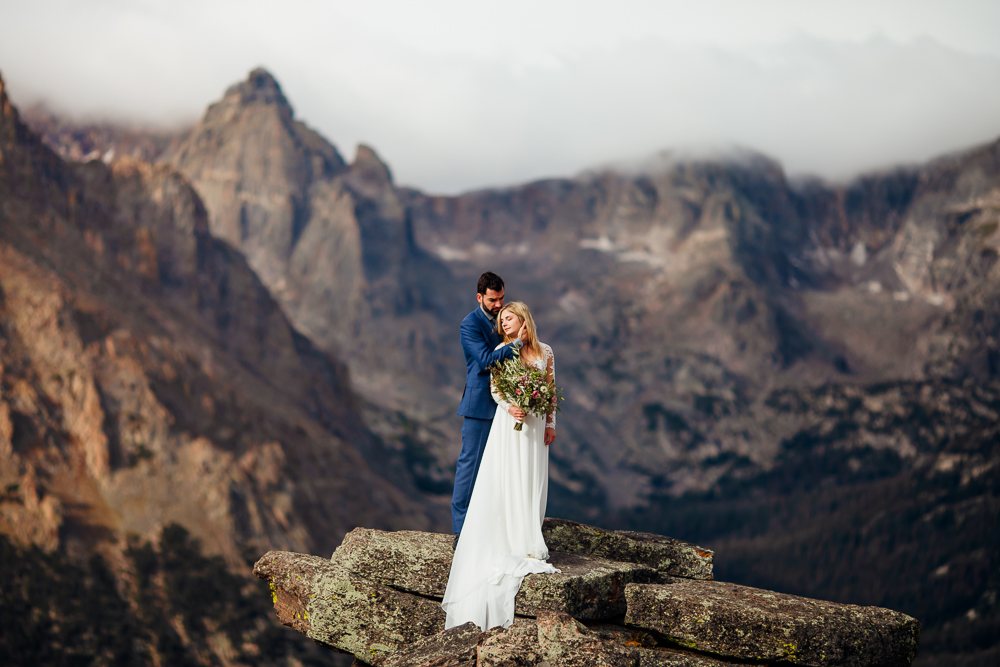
pixel 502 540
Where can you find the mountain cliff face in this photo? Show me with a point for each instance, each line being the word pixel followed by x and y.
pixel 330 240
pixel 780 370
pixel 150 380
pixel 780 366
pixel 680 297
pixel 150 344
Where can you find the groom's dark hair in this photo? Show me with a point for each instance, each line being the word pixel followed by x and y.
pixel 489 280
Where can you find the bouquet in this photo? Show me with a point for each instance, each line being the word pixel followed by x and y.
pixel 526 387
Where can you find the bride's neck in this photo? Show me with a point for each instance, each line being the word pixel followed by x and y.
pixel 529 350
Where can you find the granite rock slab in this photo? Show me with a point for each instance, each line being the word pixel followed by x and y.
pixel 666 657
pixel 340 609
pixel 665 554
pixel 406 560
pixel 455 647
pixel 566 642
pixel 588 587
pixel 746 623
pixel 517 646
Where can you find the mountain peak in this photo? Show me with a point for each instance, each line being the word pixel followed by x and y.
pixel 259 87
pixel 369 166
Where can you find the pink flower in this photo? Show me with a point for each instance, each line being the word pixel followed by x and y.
pixel 518 391
pixel 534 394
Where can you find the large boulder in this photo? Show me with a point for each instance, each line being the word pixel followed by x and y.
pixel 517 646
pixel 648 651
pixel 557 639
pixel 343 610
pixel 565 641
pixel 554 638
pixel 665 554
pixel 455 647
pixel 754 624
pixel 407 560
pixel 416 562
pixel 379 599
pixel 586 588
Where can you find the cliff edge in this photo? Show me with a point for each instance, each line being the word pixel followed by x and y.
pixel 622 598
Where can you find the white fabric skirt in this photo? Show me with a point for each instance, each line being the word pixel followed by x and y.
pixel 501 540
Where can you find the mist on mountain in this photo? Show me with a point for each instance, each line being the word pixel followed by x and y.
pixel 466 97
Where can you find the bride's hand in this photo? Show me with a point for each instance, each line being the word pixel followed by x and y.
pixel 550 435
pixel 516 412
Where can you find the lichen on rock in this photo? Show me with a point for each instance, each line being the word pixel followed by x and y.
pixel 665 554
pixel 345 611
pixel 378 598
pixel 753 624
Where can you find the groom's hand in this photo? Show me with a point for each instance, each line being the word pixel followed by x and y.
pixel 523 333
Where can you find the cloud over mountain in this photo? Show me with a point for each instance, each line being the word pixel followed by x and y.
pixel 464 98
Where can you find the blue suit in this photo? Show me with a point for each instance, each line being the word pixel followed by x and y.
pixel 479 337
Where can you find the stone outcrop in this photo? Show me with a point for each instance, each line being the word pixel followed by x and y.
pixel 666 555
pixel 453 647
pixel 339 608
pixel 753 624
pixel 378 598
pixel 587 588
pixel 596 565
pixel 411 561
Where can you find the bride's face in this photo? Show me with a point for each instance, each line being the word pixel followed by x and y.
pixel 510 322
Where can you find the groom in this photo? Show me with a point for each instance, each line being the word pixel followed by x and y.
pixel 479 338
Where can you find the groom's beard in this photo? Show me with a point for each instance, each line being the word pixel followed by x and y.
pixel 489 314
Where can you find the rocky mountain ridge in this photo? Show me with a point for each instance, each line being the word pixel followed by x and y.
pixel 722 274
pixel 746 358
pixel 331 241
pixel 727 278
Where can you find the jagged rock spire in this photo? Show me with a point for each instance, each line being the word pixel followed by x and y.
pixel 259 87
pixel 370 167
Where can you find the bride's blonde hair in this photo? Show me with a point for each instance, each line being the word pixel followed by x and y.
pixel 520 309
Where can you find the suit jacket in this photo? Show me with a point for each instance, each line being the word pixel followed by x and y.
pixel 479 337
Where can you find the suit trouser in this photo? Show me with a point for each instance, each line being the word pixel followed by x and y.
pixel 475 433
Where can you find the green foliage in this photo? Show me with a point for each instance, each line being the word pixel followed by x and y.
pixel 526 387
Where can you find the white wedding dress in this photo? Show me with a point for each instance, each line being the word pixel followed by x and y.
pixel 502 540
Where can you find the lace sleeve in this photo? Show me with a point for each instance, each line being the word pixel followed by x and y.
pixel 550 368
pixel 504 405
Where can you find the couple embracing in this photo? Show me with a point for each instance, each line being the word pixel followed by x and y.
pixel 502 476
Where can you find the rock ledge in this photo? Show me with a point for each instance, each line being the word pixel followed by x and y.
pixel 646 599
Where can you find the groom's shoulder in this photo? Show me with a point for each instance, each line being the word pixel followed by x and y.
pixel 471 318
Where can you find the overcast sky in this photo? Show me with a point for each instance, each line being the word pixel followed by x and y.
pixel 465 94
